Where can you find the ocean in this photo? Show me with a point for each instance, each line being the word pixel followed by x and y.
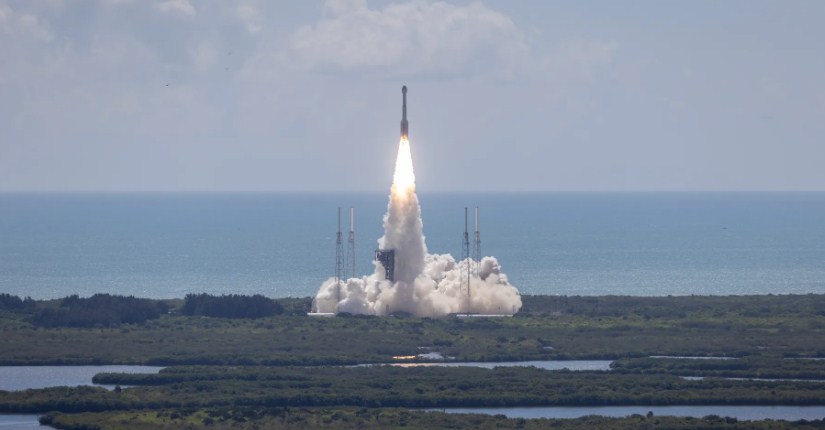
pixel 165 245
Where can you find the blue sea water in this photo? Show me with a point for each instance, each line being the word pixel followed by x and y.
pixel 650 244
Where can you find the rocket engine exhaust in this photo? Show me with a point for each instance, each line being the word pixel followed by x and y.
pixel 417 283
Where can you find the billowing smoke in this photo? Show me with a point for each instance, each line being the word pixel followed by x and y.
pixel 430 285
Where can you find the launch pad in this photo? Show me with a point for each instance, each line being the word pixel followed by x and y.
pixel 410 281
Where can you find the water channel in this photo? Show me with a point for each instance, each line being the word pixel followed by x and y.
pixel 18 378
pixel 575 365
pixel 789 413
pixel 20 422
pixel 15 378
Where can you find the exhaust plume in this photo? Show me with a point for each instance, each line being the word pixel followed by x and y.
pixel 425 285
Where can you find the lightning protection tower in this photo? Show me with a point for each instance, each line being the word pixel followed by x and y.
pixel 352 239
pixel 466 257
pixel 477 250
pixel 339 260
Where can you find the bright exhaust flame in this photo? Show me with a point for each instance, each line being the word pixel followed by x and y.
pixel 403 179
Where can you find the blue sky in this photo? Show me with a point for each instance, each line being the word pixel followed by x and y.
pixel 503 95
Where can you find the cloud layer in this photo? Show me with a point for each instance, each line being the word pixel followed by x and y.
pixel 260 95
pixel 411 38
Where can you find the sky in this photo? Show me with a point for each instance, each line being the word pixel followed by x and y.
pixel 185 95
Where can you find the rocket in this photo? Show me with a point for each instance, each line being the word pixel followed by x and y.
pixel 404 124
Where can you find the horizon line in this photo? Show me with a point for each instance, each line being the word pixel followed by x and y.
pixel 375 191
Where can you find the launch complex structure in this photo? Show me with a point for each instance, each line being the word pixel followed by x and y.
pixel 386 257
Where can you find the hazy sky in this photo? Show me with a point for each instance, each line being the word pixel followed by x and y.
pixel 503 95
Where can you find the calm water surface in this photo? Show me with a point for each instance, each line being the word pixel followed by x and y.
pixel 790 413
pixel 17 378
pixel 646 244
pixel 544 364
pixel 20 422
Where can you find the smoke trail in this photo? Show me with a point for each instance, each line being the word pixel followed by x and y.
pixel 424 284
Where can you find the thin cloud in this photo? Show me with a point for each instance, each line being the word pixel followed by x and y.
pixel 251 16
pixel 413 38
pixel 24 25
pixel 183 7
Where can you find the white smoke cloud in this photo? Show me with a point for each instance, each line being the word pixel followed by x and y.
pixel 441 289
pixel 427 285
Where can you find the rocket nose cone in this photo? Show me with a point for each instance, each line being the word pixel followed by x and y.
pixel 404 89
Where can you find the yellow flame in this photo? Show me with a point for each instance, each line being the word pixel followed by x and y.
pixel 403 180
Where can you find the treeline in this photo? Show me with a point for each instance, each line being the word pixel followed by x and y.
pixel 419 387
pixel 756 306
pixel 230 306
pixel 375 419
pixel 767 367
pixel 112 310
pixel 12 303
pixel 714 327
pixel 98 310
pixel 694 310
pixel 284 339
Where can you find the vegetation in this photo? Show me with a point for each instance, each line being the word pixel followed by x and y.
pixel 230 306
pixel 9 302
pixel 99 310
pixel 219 349
pixel 548 328
pixel 677 307
pixel 362 418
pixel 768 366
pixel 413 387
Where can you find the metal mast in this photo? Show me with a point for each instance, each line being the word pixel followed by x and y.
pixel 477 247
pixel 352 239
pixel 339 261
pixel 466 256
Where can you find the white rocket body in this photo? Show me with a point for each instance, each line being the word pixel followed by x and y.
pixel 405 127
